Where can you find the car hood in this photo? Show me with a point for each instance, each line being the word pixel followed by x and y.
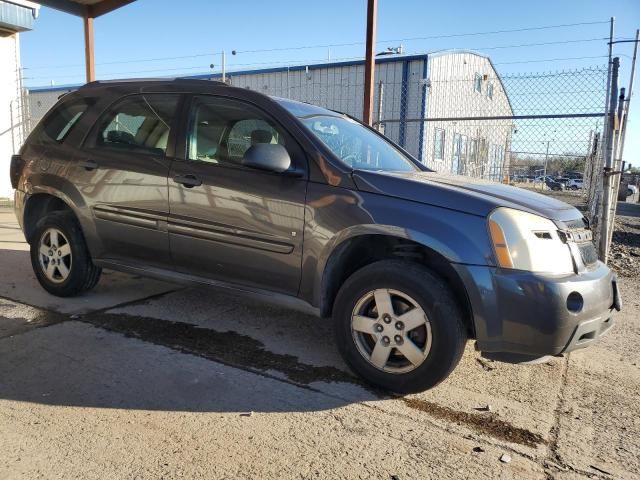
pixel 456 192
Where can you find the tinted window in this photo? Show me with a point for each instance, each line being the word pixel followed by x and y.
pixel 139 123
pixel 57 125
pixel 222 130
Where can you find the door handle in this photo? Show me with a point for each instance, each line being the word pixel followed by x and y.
pixel 189 181
pixel 88 164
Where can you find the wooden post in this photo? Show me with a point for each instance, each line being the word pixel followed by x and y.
pixel 88 48
pixel 369 63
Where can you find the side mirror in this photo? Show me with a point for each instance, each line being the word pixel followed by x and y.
pixel 272 157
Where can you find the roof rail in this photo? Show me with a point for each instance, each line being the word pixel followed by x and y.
pixel 115 81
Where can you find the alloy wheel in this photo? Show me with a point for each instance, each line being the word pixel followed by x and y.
pixel 54 254
pixel 391 331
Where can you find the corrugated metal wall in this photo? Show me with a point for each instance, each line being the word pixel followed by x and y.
pixel 341 87
pixel 415 87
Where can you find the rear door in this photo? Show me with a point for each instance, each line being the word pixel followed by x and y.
pixel 227 221
pixel 122 175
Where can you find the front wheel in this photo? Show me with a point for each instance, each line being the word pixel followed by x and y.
pixel 398 326
pixel 60 257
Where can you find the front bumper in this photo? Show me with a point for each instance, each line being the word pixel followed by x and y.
pixel 535 315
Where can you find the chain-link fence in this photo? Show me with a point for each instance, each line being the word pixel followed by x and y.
pixel 515 127
pixel 453 112
pixel 456 114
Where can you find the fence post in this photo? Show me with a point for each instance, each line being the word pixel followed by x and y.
pixel 380 128
pixel 608 167
pixel 623 115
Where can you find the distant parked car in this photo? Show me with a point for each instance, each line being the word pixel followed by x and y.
pixel 574 175
pixel 553 184
pixel 575 184
pixel 563 180
pixel 631 190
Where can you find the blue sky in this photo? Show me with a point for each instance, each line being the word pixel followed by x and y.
pixel 265 34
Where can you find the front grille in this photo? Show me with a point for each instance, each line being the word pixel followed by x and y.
pixel 588 253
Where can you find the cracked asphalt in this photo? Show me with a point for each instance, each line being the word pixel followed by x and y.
pixel 142 379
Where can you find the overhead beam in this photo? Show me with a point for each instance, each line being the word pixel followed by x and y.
pixel 89 56
pixel 369 62
pixel 106 6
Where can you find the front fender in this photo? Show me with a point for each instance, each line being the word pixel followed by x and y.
pixel 456 236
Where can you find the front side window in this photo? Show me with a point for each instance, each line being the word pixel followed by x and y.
pixel 351 142
pixel 139 124
pixel 57 125
pixel 438 144
pixel 222 130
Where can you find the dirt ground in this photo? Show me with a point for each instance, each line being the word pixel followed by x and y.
pixel 141 379
pixel 625 246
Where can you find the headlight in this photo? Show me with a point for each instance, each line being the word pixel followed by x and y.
pixel 529 242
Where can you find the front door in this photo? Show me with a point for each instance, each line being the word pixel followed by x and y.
pixel 227 221
pixel 122 175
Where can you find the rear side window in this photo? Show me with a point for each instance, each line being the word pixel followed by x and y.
pixel 57 125
pixel 139 123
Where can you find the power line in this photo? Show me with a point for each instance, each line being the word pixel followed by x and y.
pixel 431 37
pixel 289 63
pixel 559 42
pixel 542 60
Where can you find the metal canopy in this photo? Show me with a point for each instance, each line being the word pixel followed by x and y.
pixel 88 10
pixel 85 8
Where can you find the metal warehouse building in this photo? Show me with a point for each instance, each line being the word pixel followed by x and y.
pixel 418 102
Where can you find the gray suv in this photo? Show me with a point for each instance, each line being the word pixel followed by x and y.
pixel 199 182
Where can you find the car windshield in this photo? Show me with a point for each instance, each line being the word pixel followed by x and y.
pixel 353 143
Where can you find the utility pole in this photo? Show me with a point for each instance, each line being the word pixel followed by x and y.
pixel 370 62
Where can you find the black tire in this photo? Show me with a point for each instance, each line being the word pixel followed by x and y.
pixel 433 296
pixel 83 274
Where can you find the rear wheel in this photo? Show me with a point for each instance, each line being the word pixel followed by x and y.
pixel 398 326
pixel 60 257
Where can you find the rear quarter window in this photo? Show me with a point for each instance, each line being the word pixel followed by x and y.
pixel 55 127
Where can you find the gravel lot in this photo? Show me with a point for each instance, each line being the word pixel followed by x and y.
pixel 142 379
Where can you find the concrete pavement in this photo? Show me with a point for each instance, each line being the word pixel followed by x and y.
pixel 148 380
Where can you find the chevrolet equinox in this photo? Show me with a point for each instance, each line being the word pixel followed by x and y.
pixel 198 181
